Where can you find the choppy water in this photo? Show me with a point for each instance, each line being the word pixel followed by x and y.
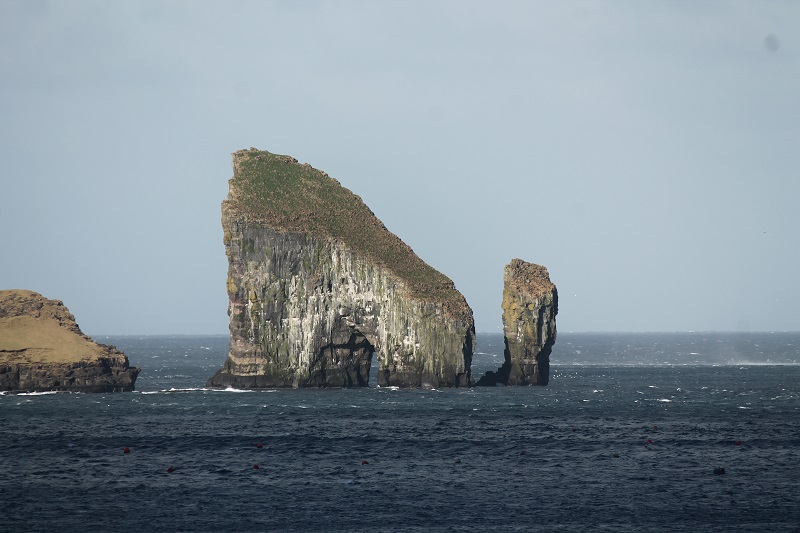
pixel 625 438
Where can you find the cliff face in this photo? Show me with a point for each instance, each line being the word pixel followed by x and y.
pixel 530 305
pixel 42 348
pixel 317 285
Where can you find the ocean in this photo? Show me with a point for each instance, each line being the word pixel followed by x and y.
pixel 633 433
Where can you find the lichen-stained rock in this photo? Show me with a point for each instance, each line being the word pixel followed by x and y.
pixel 530 305
pixel 317 284
pixel 43 349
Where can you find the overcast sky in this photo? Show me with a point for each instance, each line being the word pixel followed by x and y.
pixel 645 152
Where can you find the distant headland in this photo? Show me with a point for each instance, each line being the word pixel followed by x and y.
pixel 43 349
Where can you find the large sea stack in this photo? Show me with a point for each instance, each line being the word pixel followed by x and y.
pixel 530 305
pixel 43 349
pixel 317 284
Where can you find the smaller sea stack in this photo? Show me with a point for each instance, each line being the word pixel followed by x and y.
pixel 43 349
pixel 530 305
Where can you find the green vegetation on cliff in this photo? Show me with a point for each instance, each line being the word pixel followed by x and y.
pixel 278 192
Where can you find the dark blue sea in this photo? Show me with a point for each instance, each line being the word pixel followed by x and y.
pixel 626 437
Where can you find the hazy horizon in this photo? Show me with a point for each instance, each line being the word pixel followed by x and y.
pixel 645 153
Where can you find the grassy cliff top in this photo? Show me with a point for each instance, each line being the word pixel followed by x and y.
pixel 36 330
pixel 278 192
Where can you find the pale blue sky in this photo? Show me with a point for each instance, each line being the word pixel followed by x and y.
pixel 645 152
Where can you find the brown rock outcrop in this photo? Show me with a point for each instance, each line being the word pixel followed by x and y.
pixel 43 349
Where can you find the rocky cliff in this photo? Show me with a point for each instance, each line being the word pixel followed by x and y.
pixel 317 284
pixel 530 305
pixel 42 348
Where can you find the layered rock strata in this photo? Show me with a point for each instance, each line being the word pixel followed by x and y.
pixel 43 349
pixel 530 305
pixel 317 285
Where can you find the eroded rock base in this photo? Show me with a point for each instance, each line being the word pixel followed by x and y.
pixel 105 375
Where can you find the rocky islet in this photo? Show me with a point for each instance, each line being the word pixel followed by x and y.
pixel 317 284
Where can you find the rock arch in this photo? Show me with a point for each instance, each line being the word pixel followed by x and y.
pixel 315 281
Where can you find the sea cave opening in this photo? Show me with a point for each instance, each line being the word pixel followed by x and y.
pixel 347 361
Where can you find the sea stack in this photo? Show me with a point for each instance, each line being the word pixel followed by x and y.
pixel 317 284
pixel 43 349
pixel 530 305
